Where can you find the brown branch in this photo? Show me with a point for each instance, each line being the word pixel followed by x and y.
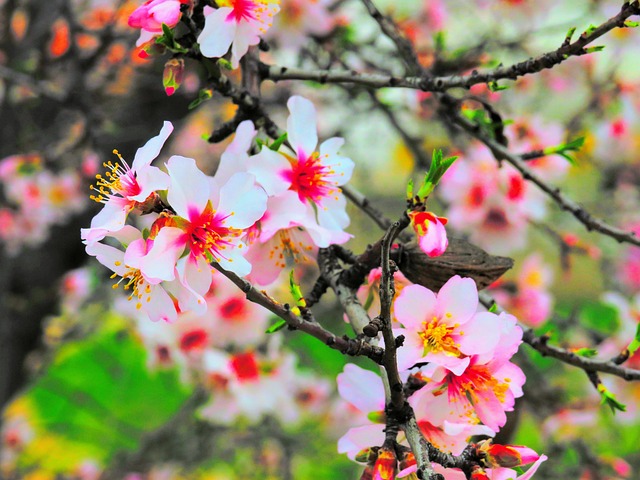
pixel 564 202
pixel 540 343
pixel 390 29
pixel 348 346
pixel 427 83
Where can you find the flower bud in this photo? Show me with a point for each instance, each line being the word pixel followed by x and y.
pixel 172 75
pixel 509 456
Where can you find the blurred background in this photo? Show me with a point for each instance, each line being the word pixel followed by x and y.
pixel 89 390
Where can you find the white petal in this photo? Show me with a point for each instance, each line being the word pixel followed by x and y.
pixel 218 33
pixel 147 153
pixel 189 189
pixel 243 200
pixel 301 126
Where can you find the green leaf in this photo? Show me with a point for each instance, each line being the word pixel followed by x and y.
pixel 493 308
pixel 226 64
pixel 569 35
pixel 590 30
pixel 586 352
pixel 279 325
pixel 609 399
pixel 296 292
pixel 601 317
pixel 635 343
pixel 494 87
pixel 410 189
pixel 594 49
pixel 631 24
pixel 275 146
pixel 203 95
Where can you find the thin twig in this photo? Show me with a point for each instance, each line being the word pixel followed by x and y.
pixel 565 203
pixel 345 345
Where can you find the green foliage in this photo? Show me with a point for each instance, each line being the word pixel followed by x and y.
pixel 600 316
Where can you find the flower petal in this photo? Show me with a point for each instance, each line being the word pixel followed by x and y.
pixel 301 126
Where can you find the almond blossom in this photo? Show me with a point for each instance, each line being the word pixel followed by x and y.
pixel 493 204
pixel 150 16
pixel 298 19
pixel 444 329
pixel 485 390
pixel 315 175
pixel 150 297
pixel 238 24
pixel 207 226
pixel 125 187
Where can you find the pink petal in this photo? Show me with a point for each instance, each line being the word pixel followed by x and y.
pixel 481 334
pixel 167 248
pixel 362 388
pixel 457 301
pixel 413 306
pixel 359 438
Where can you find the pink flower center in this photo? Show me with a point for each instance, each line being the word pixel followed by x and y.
pixel 496 219
pixel 287 249
pixel 474 383
pixel 308 177
pixel 233 309
pixel 242 10
pixel 194 340
pixel 119 179
pixel 245 367
pixel 207 234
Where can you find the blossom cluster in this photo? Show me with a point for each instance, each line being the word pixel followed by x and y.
pixel 459 360
pixel 257 215
pixel 37 199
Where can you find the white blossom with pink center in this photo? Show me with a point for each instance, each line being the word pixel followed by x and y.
pixel 484 391
pixel 234 319
pixel 147 292
pixel 364 390
pixel 238 24
pixel 493 204
pixel 315 175
pixel 286 236
pixel 124 187
pixel 208 226
pixel 534 134
pixel 444 329
pixel 244 385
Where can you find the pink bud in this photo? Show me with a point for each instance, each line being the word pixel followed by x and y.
pixel 172 75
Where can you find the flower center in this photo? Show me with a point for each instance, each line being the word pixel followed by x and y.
pixel 208 236
pixel 287 250
pixel 232 310
pixel 437 337
pixel 308 177
pixel 245 367
pixel 134 281
pixel 119 179
pixel 194 340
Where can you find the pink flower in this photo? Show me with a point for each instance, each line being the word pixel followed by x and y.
pixel 432 236
pixel 124 187
pixel 444 329
pixel 150 16
pixel 150 297
pixel 298 19
pixel 316 176
pixel 237 24
pixel 207 226
pixel 484 391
